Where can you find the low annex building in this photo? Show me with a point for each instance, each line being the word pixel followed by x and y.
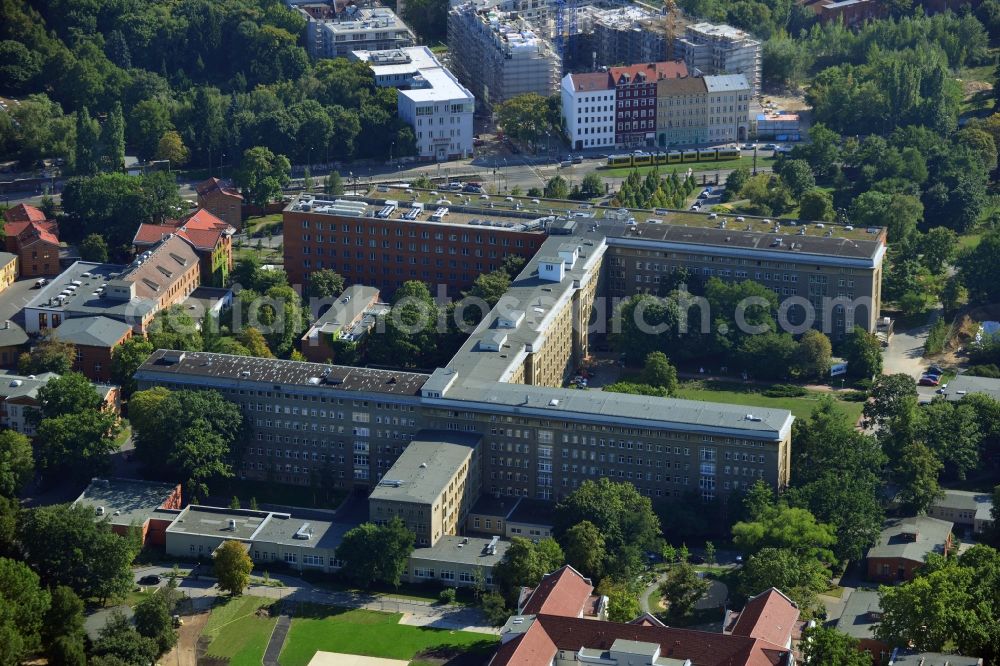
pixel 349 318
pixel 134 504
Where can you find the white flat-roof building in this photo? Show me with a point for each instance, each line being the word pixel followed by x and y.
pixel 588 109
pixel 430 100
pixel 721 49
pixel 354 29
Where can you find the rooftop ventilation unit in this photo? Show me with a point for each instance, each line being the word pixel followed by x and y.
pixel 232 524
pixel 304 533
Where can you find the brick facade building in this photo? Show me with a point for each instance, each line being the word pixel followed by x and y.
pixel 635 108
pixel 34 239
pixel 221 200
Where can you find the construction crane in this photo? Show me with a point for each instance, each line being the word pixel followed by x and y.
pixel 563 7
pixel 670 25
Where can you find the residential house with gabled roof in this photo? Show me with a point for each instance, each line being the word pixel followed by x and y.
pixel 552 627
pixel 903 547
pixel 34 239
pixel 221 200
pixel 210 237
pixel 95 338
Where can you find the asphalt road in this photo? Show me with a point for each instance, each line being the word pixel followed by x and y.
pixel 905 354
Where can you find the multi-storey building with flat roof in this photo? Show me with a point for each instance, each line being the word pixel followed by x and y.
pixel 431 486
pixel 430 100
pixel 721 49
pixel 384 244
pixel 499 56
pixel 355 29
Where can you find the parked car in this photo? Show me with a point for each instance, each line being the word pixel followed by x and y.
pixel 934 370
pixel 577 159
pixel 151 579
pixel 929 380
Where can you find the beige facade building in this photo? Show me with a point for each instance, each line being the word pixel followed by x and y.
pixel 430 487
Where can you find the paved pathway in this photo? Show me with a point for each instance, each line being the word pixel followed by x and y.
pixel 277 640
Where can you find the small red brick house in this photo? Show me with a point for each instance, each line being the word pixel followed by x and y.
pixel 903 547
pixel 95 338
pixel 34 239
pixel 127 503
pixel 222 200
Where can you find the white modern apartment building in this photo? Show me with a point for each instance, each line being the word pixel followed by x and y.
pixel 430 99
pixel 499 55
pixel 721 49
pixel 588 109
pixel 355 29
pixel 728 100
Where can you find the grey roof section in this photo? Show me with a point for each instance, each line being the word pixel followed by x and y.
pixel 539 299
pixel 96 331
pixel 126 501
pixel 726 83
pixel 856 620
pixel 196 367
pixel 460 550
pixel 282 528
pixel 85 300
pixel 910 658
pixel 967 500
pixel 6 258
pixel 932 534
pixel 488 505
pixel 963 385
pixel 636 410
pixel 426 466
pixel 635 647
pixel 736 241
pixel 349 306
pixel 532 512
pixel 214 522
pixel 13 385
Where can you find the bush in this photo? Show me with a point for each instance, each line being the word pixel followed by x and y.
pixel 447 595
pixel 988 370
pixel 864 384
pixel 854 396
pixel 785 391
pixel 937 337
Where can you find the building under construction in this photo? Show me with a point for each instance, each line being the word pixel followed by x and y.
pixel 499 55
pixel 622 35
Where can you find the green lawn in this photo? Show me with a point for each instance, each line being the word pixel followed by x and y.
pixel 665 169
pixel 753 397
pixel 238 633
pixel 368 633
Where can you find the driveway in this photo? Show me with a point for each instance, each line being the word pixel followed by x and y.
pixel 905 354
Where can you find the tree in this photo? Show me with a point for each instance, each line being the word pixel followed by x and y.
pixel 797 175
pixel 88 146
pixel 495 609
pixel 592 186
pixel 64 620
pixel 863 353
pixel 937 248
pixel 735 182
pixel 584 547
pixel 171 147
pixel 77 445
pixel 976 268
pixel 113 141
pixel 262 175
pixel 490 287
pixel 174 328
pixel 524 564
pixel 892 396
pixel 17 465
pixel 333 184
pixel 709 552
pixel 376 553
pixel 917 474
pixel 255 343
pixel 813 354
pixel 659 372
pixel 66 546
pixel 94 248
pixel 798 576
pixel 556 188
pixel 950 604
pixel 126 359
pixel 525 117
pixel 325 283
pixel 232 567
pixel 623 598
pixel 900 213
pixel 49 355
pixel 816 204
pixel 23 604
pixel 758 500
pixel 121 645
pixel 783 527
pixel 153 617
pixel 682 588
pixel 624 517
pixel 826 645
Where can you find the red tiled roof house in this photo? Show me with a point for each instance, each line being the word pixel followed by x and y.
pixel 34 239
